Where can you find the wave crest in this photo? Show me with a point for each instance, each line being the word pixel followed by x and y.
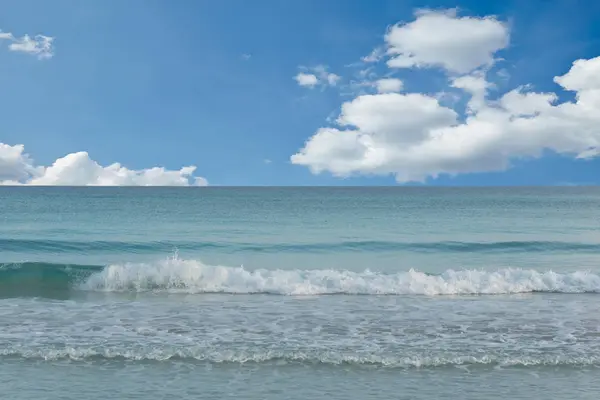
pixel 300 357
pixel 189 276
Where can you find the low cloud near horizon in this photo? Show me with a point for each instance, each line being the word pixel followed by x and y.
pixel 78 169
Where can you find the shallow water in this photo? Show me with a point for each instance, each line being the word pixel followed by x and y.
pixel 299 293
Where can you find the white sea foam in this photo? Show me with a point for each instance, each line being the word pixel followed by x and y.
pixel 189 276
pixel 324 357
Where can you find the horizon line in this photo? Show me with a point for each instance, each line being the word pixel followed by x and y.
pixel 306 186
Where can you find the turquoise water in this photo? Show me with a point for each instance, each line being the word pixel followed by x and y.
pixel 270 293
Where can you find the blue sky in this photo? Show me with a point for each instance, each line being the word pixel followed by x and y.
pixel 169 83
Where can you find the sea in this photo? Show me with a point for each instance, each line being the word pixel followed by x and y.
pixel 299 293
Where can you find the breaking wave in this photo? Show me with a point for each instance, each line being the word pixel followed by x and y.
pixel 193 277
pixel 297 357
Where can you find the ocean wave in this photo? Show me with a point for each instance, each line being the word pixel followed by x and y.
pixel 48 280
pixel 296 357
pixel 189 276
pixel 176 275
pixel 161 247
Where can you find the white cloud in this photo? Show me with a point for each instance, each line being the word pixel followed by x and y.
pixel 592 152
pixel 475 85
pixel 374 120
pixel 38 45
pixel 413 136
pixel 317 76
pixel 6 35
pixel 78 169
pixel 246 56
pixel 389 85
pixel 333 79
pixel 376 55
pixel 386 114
pixel 306 80
pixel 442 39
pixel 584 75
pixel 15 164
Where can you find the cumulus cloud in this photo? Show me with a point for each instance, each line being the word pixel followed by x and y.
pixel 15 164
pixel 413 136
pixel 583 76
pixel 40 46
pixel 442 39
pixel 78 169
pixel 389 85
pixel 317 76
pixel 476 86
pixel 306 80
